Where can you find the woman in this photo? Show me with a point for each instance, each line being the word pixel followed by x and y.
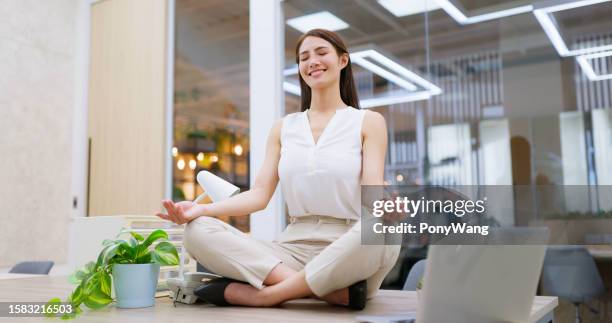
pixel 317 155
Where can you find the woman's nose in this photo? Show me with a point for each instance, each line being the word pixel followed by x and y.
pixel 313 64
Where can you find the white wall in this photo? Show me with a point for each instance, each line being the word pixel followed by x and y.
pixel 266 102
pixel 533 88
pixel 37 43
pixel 533 100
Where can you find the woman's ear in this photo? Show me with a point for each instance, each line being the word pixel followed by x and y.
pixel 344 59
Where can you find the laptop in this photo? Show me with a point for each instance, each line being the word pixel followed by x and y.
pixel 477 283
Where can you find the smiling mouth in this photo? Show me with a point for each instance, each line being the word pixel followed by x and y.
pixel 315 71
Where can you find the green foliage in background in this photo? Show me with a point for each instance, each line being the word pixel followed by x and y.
pixel 178 194
pixel 94 279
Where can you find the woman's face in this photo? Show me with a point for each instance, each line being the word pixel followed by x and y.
pixel 319 64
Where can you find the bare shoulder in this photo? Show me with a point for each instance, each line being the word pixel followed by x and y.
pixel 278 124
pixel 373 122
pixel 275 132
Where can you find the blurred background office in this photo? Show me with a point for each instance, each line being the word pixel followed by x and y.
pixel 110 106
pixel 481 93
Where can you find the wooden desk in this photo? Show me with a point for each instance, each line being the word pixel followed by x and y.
pixel 387 302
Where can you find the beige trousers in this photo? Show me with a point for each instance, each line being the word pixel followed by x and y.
pixel 328 249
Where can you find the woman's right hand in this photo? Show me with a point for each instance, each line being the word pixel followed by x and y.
pixel 181 212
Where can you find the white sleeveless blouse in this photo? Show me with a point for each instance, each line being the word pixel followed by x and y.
pixel 322 178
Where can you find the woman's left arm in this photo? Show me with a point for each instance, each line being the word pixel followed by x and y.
pixel 374 132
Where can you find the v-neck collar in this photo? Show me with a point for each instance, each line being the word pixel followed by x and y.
pixel 329 123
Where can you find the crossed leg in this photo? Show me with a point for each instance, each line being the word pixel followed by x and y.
pixel 237 256
pixel 345 255
pixel 282 284
pixel 208 238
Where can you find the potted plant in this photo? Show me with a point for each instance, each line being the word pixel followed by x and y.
pixel 132 263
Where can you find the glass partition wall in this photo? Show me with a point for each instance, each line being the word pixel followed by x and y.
pixel 483 92
pixel 509 97
pixel 475 92
pixel 211 96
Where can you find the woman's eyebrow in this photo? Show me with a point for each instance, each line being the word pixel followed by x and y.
pixel 320 47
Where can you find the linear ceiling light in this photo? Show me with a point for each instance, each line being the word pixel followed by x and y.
pixel 588 69
pixel 379 64
pixel 323 19
pixel 401 8
pixel 455 10
pixel 544 10
pixel 361 58
pixel 395 99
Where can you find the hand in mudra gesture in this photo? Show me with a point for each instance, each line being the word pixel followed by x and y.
pixel 180 212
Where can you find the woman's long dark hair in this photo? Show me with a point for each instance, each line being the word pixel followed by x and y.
pixel 348 92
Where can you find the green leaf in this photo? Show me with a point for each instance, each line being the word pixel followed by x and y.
pixel 137 236
pixel 141 251
pixel 105 283
pixel 109 252
pixel 73 279
pixel 69 316
pixel 144 259
pixel 143 248
pixel 106 242
pixel 155 235
pixel 122 232
pixel 132 242
pixel 126 252
pixel 165 254
pixel 52 301
pixel 97 300
pixel 82 273
pixel 91 284
pixel 90 266
pixel 77 296
pixel 77 277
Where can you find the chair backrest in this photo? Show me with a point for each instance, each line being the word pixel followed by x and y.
pixel 570 272
pixel 415 274
pixel 32 267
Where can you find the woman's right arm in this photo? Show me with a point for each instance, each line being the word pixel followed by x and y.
pixel 258 197
pixel 247 202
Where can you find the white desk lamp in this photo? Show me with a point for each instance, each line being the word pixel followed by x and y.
pixel 215 188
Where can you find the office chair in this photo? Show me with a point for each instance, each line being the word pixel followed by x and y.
pixel 32 267
pixel 570 272
pixel 415 274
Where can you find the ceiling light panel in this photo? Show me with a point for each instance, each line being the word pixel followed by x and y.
pixel 323 19
pixel 587 67
pixel 402 8
pixel 544 12
pixel 454 9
